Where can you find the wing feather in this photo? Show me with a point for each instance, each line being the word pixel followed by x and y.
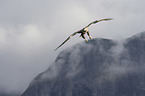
pixel 96 21
pixel 66 40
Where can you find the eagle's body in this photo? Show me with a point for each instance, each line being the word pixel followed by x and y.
pixel 84 31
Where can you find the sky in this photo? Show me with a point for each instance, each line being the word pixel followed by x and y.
pixel 30 30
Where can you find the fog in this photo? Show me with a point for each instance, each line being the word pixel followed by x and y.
pixel 30 30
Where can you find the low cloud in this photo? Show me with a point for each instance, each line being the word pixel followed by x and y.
pixel 30 30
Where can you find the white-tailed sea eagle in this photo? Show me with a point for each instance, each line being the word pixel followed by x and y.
pixel 84 31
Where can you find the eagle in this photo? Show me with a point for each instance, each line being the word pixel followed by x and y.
pixel 83 31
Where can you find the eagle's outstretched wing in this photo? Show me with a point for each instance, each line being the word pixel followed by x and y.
pixel 66 40
pixel 96 21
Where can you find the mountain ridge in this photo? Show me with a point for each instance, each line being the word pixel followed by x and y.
pixel 93 68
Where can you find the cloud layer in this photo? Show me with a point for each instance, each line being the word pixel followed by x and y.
pixel 30 30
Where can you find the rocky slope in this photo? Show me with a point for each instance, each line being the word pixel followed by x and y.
pixel 99 67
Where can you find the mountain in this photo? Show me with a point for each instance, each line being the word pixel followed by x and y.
pixel 8 94
pixel 99 67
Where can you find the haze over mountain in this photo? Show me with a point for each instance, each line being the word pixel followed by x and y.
pixel 9 94
pixel 99 67
pixel 29 28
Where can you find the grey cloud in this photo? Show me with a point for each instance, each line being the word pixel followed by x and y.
pixel 30 30
pixel 24 12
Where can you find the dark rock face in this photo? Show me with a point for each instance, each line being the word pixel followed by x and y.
pixel 95 68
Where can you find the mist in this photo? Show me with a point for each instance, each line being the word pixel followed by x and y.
pixel 30 30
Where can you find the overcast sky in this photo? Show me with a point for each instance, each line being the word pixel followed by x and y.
pixel 30 30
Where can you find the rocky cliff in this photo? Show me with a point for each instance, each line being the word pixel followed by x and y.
pixel 99 67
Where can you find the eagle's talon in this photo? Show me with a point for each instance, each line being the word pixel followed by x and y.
pixel 90 37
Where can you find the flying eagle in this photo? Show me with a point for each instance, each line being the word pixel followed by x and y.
pixel 84 31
